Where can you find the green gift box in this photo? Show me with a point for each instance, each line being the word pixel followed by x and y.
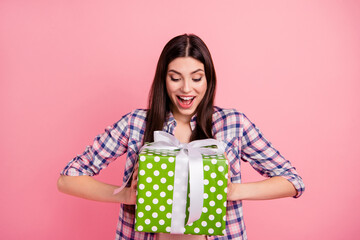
pixel 155 194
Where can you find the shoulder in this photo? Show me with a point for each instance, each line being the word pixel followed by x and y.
pixel 138 114
pixel 137 117
pixel 226 114
pixel 226 122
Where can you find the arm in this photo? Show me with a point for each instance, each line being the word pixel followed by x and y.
pixel 92 189
pixel 283 180
pixel 76 177
pixel 275 187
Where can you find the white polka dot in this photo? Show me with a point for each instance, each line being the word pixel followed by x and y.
pixel 148 208
pixel 162 208
pixel 213 161
pixel 218 211
pixel 203 223
pixel 211 231
pixel 226 176
pixel 218 224
pixel 161 222
pixel 171 159
pixel 212 189
pixel 148 194
pixel 190 224
pixel 213 175
pixel 156 173
pixel 142 172
pixel 206 182
pixel 225 204
pixel 155 201
pixel 154 228
pixel 156 187
pixel 149 166
pixel 212 203
pixel 149 179
pixel 211 217
pixel 227 163
pixel 141 214
pixel 163 180
pixel 196 230
pixel 157 159
pixel 169 201
pixel 204 209
pixel 141 186
pixel 162 194
pixel 225 190
pixel 206 195
pixel 140 228
pixel 142 158
pixel 224 231
pixel 221 168
pixel 163 166
pixel 170 187
pixel 147 221
pixel 219 196
pixel 154 215
pixel 220 183
pixel 168 229
pixel 168 215
pixel 141 200
pixel 171 173
pixel 206 168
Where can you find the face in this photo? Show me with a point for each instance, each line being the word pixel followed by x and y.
pixel 186 86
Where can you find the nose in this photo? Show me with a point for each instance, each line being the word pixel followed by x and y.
pixel 186 85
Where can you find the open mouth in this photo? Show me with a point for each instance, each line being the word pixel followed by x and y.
pixel 185 102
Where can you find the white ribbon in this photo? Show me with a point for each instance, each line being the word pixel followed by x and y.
pixel 188 160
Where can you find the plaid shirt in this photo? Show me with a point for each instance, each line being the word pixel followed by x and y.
pixel 243 141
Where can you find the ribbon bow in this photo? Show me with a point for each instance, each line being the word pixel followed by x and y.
pixel 188 160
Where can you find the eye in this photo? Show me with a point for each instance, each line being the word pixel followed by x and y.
pixel 197 79
pixel 174 79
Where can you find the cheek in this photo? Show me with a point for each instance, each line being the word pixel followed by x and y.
pixel 170 88
pixel 202 88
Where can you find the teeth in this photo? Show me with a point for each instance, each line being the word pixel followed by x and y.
pixel 186 98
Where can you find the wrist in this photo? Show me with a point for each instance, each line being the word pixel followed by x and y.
pixel 233 192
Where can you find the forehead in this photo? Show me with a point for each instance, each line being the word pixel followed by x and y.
pixel 185 65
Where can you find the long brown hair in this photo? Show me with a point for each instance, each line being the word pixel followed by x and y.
pixel 186 45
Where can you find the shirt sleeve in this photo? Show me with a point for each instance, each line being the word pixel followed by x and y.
pixel 264 158
pixel 105 148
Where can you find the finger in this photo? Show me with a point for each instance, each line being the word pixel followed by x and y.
pixel 135 174
pixel 229 178
pixel 134 185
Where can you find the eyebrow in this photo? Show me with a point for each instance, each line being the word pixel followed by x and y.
pixel 197 70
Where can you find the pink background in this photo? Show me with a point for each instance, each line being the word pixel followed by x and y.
pixel 70 68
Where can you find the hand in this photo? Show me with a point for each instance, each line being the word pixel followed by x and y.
pixel 230 185
pixel 131 191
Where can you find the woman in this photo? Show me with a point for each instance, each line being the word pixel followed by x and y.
pixel 181 103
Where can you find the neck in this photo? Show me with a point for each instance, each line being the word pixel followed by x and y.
pixel 182 119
